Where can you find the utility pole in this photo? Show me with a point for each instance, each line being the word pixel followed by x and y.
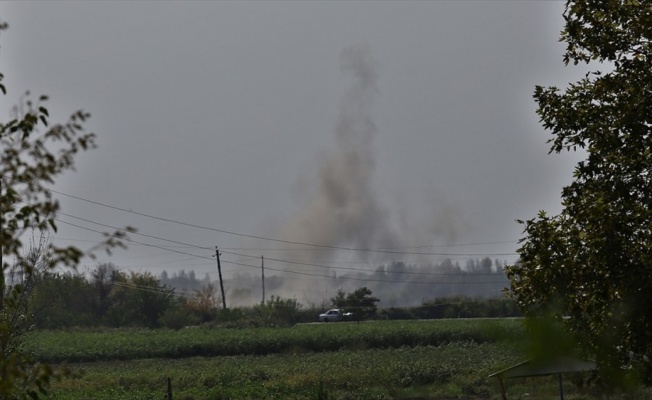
pixel 219 271
pixel 262 267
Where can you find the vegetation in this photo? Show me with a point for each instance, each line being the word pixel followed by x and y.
pixel 454 307
pixel 360 302
pixel 592 261
pixel 459 370
pixel 33 153
pixel 374 360
pixel 113 298
pixel 109 297
pixel 395 284
pixel 408 357
pixel 103 345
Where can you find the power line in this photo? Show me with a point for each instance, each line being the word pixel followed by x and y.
pixel 323 246
pixel 282 270
pixel 96 242
pixel 155 290
pixel 360 279
pixel 135 233
pixel 256 256
pixel 357 269
pixel 389 248
pixel 186 293
pixel 134 241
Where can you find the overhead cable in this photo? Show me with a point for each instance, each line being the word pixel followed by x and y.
pixel 323 246
pixel 248 255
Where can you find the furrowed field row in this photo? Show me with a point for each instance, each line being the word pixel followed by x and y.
pixel 89 346
pixel 455 368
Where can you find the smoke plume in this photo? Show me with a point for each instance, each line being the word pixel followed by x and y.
pixel 344 209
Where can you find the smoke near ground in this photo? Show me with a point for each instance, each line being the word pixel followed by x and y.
pixel 344 213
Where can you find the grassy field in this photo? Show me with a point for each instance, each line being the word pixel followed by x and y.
pixel 450 370
pixel 377 360
pixel 105 345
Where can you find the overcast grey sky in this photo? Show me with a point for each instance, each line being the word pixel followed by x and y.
pixel 229 115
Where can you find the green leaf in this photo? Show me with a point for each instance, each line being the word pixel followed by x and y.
pixel 592 261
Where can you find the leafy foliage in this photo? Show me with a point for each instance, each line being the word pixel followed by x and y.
pixel 110 298
pixel 33 153
pixel 76 345
pixel 138 299
pixel 279 311
pixel 360 302
pixel 456 367
pixel 356 375
pixel 593 262
pixel 204 304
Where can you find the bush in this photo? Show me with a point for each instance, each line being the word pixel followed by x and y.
pixel 177 318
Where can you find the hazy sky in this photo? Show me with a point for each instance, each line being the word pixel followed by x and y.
pixel 344 124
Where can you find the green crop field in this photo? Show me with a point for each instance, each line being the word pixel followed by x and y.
pixel 124 344
pixel 373 360
pixel 361 374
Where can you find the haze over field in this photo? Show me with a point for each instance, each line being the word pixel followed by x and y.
pixel 329 137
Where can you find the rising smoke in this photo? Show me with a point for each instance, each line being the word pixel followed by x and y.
pixel 345 209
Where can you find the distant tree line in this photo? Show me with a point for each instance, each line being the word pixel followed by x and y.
pixel 110 297
pixel 183 280
pixel 395 284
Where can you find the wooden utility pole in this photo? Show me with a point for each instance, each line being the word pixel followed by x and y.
pixel 262 267
pixel 219 271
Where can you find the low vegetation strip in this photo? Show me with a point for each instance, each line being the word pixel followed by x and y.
pixel 448 370
pixel 126 344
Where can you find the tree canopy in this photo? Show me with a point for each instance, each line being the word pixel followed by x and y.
pixel 360 302
pixel 593 261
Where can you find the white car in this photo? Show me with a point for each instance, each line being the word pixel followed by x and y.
pixel 334 314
